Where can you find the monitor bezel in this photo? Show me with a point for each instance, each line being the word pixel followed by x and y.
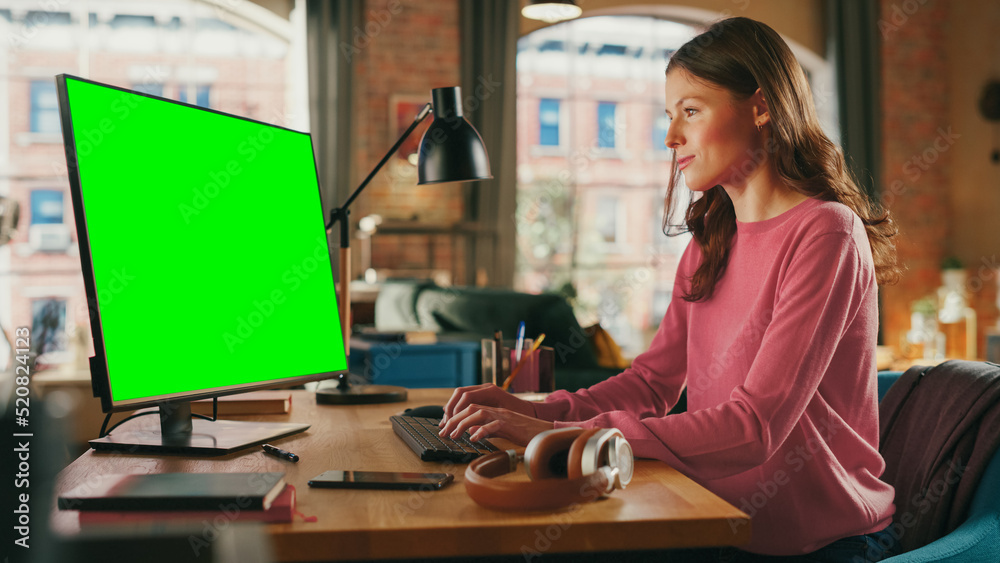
pixel 100 378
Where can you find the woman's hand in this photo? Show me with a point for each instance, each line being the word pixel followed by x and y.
pixel 488 395
pixel 486 410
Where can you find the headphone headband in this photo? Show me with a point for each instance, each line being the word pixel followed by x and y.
pixel 597 461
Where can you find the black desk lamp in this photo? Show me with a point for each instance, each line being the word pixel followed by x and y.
pixel 451 150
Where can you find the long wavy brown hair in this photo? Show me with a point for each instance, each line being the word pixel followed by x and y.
pixel 741 55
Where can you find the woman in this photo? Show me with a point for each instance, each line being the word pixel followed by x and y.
pixel 773 321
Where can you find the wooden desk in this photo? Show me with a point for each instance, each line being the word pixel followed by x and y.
pixel 660 509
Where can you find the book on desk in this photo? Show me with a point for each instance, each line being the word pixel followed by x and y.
pixel 254 402
pixel 282 509
pixel 176 491
pixel 398 336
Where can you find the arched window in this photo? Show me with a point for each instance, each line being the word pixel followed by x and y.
pixel 237 57
pixel 593 168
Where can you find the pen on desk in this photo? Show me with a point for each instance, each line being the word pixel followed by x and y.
pixel 519 347
pixel 278 452
pixel 517 368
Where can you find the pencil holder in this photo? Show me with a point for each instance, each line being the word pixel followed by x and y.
pixel 534 373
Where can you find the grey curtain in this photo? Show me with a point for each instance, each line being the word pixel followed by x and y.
pixel 853 45
pixel 331 68
pixel 489 33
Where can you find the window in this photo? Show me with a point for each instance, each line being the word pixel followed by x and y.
pixel 46 207
pixel 581 213
pixel 44 107
pixel 41 18
pixel 202 95
pixel 122 20
pixel 606 219
pixel 612 50
pixel 552 45
pixel 252 65
pixel 48 326
pixel 151 88
pixel 573 237
pixel 660 124
pixel 548 122
pixel 606 130
pixel 661 300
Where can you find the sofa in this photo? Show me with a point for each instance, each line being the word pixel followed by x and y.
pixel 473 313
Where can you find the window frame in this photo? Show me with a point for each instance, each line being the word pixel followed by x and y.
pixel 37 89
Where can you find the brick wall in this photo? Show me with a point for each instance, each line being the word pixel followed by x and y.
pixel 915 176
pixel 410 48
pixel 930 148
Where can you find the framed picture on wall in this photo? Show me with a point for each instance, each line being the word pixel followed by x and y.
pixel 403 108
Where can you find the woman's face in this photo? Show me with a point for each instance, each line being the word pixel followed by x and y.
pixel 714 135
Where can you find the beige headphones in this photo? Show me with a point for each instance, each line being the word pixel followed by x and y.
pixel 566 465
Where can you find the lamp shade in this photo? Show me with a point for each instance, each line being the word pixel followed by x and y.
pixel 551 11
pixel 451 149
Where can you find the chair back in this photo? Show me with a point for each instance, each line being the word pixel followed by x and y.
pixel 939 431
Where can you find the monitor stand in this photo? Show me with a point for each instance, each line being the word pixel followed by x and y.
pixel 178 433
pixel 346 394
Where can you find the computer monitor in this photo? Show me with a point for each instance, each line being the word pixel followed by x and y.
pixel 205 260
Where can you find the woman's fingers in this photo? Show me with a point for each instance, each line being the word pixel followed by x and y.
pixel 463 419
pixel 484 421
pixel 459 400
pixel 486 394
pixel 484 431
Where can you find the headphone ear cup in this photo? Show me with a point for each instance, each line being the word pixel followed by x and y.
pixel 542 456
pixel 574 465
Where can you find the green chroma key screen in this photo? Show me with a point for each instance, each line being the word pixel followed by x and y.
pixel 210 260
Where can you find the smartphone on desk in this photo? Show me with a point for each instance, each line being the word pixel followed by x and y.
pixel 380 480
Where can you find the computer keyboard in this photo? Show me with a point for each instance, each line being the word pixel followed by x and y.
pixel 421 435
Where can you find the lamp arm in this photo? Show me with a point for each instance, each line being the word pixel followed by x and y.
pixel 340 213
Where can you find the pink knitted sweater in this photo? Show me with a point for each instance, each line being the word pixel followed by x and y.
pixel 779 365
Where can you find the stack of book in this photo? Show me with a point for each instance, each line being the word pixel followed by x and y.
pixel 254 402
pixel 117 499
pixel 400 336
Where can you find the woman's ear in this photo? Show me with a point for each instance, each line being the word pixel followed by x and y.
pixel 761 113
